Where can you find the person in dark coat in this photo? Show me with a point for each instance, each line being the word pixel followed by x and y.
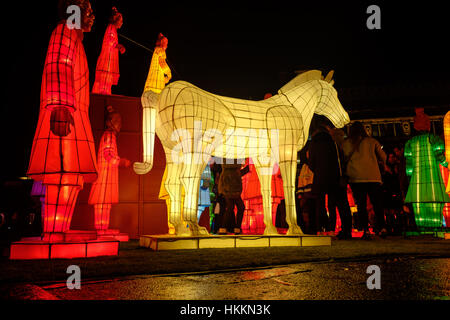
pixel 230 186
pixel 324 162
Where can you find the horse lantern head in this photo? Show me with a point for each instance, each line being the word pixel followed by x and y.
pixel 329 104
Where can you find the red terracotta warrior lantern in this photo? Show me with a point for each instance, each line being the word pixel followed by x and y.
pixel 105 191
pixel 107 70
pixel 63 153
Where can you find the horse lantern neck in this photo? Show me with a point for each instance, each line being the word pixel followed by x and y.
pixel 308 98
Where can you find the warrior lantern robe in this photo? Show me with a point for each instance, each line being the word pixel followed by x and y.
pixel 63 163
pixel 105 190
pixel 65 83
pixel 158 68
pixel 426 191
pixel 107 70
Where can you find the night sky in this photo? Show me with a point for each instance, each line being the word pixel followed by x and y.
pixel 241 49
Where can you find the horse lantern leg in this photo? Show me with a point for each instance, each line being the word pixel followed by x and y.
pixel 190 178
pixel 174 189
pixel 264 171
pixel 288 170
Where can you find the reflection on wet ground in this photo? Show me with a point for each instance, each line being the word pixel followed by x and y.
pixel 401 278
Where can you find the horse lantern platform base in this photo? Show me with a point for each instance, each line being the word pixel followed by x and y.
pixel 171 242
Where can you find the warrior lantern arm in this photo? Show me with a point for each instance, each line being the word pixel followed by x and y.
pixel 439 150
pixel 59 70
pixel 111 38
pixel 165 68
pixel 110 150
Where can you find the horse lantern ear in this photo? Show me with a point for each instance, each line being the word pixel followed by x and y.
pixel 329 77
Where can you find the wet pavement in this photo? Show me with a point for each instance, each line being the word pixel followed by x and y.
pixel 402 278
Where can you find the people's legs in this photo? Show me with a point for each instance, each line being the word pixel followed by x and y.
pixel 310 205
pixel 218 222
pixel 344 210
pixel 332 203
pixel 375 195
pixel 229 220
pixel 321 213
pixel 240 212
pixel 360 195
pixel 200 210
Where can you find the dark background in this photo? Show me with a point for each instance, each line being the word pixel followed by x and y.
pixel 239 49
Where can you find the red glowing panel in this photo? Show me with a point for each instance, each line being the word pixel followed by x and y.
pixel 24 251
pixel 68 250
pixel 102 248
pixel 28 250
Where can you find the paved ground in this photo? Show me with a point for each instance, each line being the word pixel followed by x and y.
pixel 400 279
pixel 342 265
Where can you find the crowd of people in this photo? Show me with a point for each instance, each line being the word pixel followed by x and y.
pixel 335 170
pixel 351 177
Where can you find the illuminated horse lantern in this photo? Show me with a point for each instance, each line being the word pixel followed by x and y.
pixel 194 125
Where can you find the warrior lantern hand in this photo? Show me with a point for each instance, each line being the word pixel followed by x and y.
pixel 60 121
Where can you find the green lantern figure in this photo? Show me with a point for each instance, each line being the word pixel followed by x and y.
pixel 426 190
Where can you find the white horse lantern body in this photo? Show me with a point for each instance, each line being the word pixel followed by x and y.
pixel 194 125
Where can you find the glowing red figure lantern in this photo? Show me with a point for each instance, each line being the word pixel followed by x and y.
pixel 251 194
pixel 105 190
pixel 63 153
pixel 447 143
pixel 107 70
pixel 446 212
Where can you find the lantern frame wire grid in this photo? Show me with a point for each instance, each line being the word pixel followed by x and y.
pixel 194 125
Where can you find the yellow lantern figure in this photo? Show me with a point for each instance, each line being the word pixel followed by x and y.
pixel 447 143
pixel 158 75
pixel 194 125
